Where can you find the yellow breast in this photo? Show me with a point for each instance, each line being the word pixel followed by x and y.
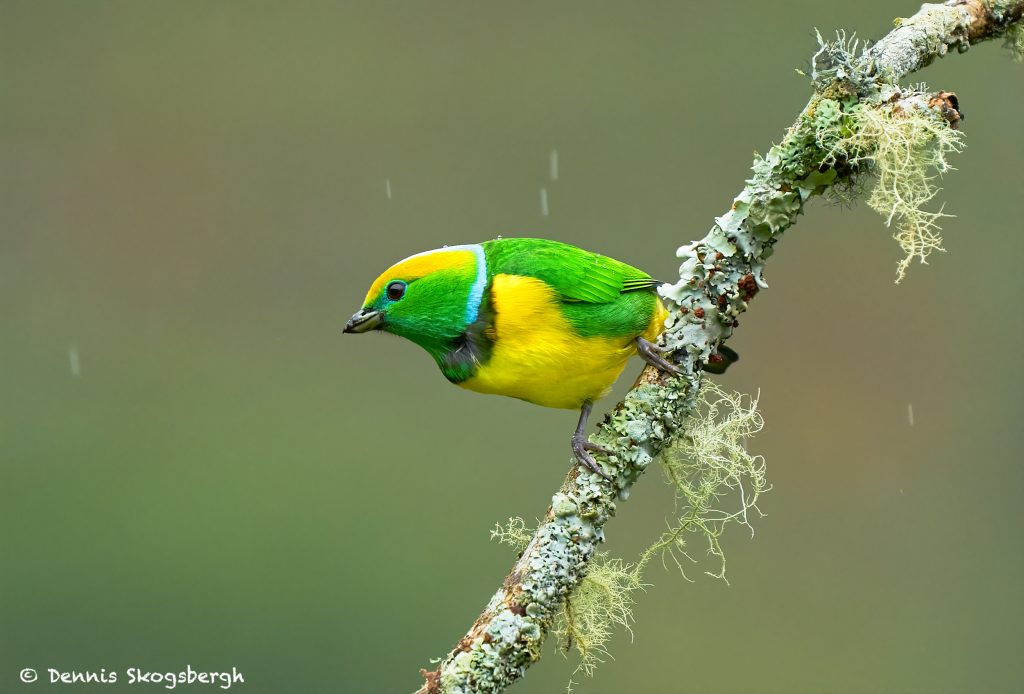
pixel 538 357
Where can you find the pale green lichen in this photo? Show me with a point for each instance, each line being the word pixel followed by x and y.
pixel 514 533
pixel 508 637
pixel 601 603
pixel 874 126
pixel 1015 41
pixel 835 64
pixel 719 275
pixel 905 144
pixel 717 483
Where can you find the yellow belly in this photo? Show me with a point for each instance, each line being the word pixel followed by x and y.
pixel 538 357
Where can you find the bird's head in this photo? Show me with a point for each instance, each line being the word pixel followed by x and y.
pixel 428 298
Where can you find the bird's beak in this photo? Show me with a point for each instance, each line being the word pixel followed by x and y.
pixel 363 320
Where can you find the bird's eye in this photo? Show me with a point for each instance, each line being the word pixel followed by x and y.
pixel 396 290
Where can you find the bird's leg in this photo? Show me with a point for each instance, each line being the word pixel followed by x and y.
pixel 652 355
pixel 580 444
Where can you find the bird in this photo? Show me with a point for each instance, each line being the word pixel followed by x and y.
pixel 533 319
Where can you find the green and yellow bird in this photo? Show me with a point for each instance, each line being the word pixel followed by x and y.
pixel 533 319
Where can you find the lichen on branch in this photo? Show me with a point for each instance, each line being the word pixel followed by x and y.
pixel 850 127
pixel 1015 41
pixel 904 142
pixel 717 483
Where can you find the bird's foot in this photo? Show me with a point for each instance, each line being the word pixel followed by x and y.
pixel 580 446
pixel 651 354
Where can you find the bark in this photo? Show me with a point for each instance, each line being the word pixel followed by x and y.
pixel 719 276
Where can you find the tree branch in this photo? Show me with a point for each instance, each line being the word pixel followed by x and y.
pixel 719 276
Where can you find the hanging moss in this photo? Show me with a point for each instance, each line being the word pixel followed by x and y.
pixel 1015 41
pixel 717 481
pixel 858 122
pixel 717 484
pixel 903 139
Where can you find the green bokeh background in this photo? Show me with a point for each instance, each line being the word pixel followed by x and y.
pixel 193 200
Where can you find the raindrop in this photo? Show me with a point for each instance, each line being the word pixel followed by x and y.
pixel 544 201
pixel 387 187
pixel 74 361
pixel 554 165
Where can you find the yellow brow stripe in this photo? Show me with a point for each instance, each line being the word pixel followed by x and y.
pixel 421 265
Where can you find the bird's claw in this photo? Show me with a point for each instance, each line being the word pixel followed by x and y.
pixel 651 353
pixel 580 446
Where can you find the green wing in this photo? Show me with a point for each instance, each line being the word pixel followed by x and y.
pixel 577 275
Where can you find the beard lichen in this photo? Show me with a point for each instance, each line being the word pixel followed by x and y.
pixel 903 141
pixel 1015 41
pixel 862 122
pixel 514 533
pixel 717 483
pixel 603 602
